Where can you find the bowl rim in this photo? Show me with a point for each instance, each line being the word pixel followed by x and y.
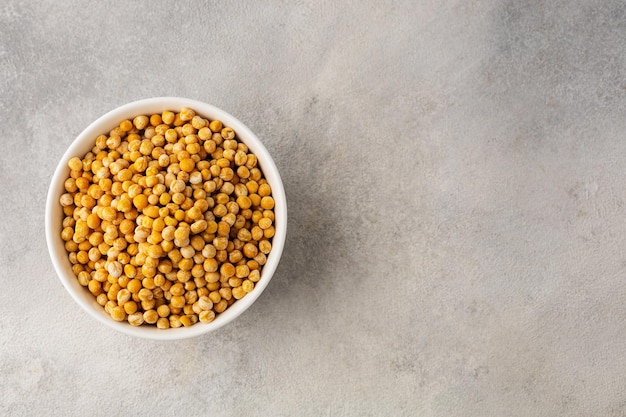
pixel 104 124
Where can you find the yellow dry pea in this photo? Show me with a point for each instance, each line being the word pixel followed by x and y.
pixel 227 269
pixel 67 233
pixel 215 125
pixel 177 289
pixel 185 265
pixel 268 214
pixel 186 114
pixel 240 158
pixel 243 172
pixel 242 271
pixel 126 125
pixel 181 233
pixel 238 293
pixel 109 305
pixel 265 223
pixel 198 122
pixel 244 202
pixel 264 190
pixel 220 210
pixel 83 278
pixel 255 275
pixel 191 296
pixel 252 264
pixel 155 120
pixel 220 242
pixel 187 165
pixel 70 185
pixel 102 299
pixel 131 307
pixel 235 255
pixel 185 320
pixel 151 181
pixel 194 213
pixel 215 297
pixel 134 286
pixel 66 200
pixel 177 301
pixel 148 304
pixel 118 313
pixel 141 122
pixel 140 201
pixel 225 292
pixel 255 199
pixel 221 306
pixel 255 174
pixel 95 287
pixel 123 296
pixel 75 164
pixel 205 303
pixel 136 319
pixel 206 316
pixel 247 285
pixel 251 165
pixel 267 202
pixel 199 226
pixel 269 232
pixel 167 117
pixel 163 323
pixel 187 251
pixel 163 310
pixel 223 229
pixel 164 199
pixel 257 233
pixel 265 246
pixel 188 129
pixel 151 316
pixel 227 133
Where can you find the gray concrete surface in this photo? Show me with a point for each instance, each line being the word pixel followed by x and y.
pixel 456 180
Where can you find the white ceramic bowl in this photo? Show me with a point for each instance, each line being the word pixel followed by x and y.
pixel 83 144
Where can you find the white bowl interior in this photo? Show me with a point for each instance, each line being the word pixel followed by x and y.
pixel 83 144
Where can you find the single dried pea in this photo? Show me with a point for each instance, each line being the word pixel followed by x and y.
pixel 163 310
pixel 126 125
pixel 247 285
pixel 265 246
pixel 163 323
pixel 267 202
pixel 151 316
pixel 265 223
pixel 75 164
pixel 131 307
pixel 187 164
pixel 168 117
pixel 155 120
pixel 221 306
pixel 264 190
pixel 141 122
pixel 186 114
pixel 215 125
pixel 238 293
pixel 118 313
pixel 206 316
pixel 136 319
pixel 227 133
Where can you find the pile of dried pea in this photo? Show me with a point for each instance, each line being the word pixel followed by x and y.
pixel 168 219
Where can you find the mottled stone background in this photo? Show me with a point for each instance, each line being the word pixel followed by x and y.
pixel 455 177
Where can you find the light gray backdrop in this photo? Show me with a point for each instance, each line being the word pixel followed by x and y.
pixel 455 177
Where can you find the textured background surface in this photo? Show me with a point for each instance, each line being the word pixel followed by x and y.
pixel 455 176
